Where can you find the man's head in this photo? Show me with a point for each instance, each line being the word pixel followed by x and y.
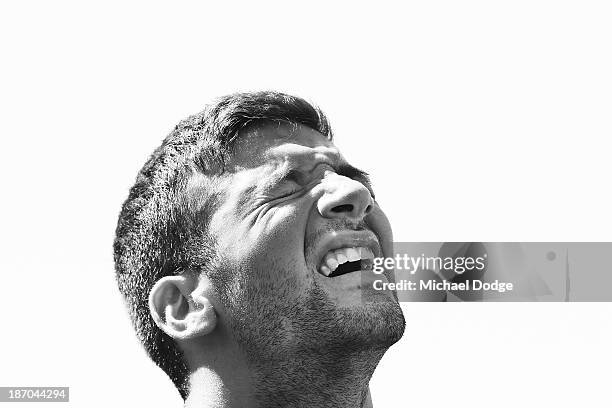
pixel 236 225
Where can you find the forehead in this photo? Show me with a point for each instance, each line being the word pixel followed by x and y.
pixel 281 143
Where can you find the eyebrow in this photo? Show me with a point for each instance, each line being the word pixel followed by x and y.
pixel 345 169
pixel 342 168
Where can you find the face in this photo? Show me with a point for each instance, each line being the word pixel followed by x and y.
pixel 296 229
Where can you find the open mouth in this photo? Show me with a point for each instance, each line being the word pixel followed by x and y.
pixel 345 260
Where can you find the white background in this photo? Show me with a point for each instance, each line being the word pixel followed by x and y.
pixel 479 120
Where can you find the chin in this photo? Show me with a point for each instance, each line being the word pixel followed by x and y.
pixel 375 325
pixel 385 321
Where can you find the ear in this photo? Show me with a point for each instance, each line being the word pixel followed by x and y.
pixel 177 312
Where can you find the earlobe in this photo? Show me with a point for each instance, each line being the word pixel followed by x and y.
pixel 177 312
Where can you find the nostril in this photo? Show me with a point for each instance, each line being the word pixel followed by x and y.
pixel 343 208
pixel 368 209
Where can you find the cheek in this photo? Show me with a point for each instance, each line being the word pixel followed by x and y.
pixel 272 242
pixel 280 231
pixel 272 230
pixel 276 248
pixel 377 220
pixel 271 287
pixel 265 254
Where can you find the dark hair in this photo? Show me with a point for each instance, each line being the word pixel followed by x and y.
pixel 163 222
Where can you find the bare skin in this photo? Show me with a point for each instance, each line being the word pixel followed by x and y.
pixel 267 327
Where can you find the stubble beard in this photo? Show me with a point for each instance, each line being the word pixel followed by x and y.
pixel 297 344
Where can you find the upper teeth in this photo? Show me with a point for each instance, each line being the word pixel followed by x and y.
pixel 337 257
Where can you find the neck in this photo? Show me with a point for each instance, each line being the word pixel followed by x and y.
pixel 307 381
pixel 220 377
pixel 214 389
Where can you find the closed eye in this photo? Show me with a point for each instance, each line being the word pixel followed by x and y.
pixel 295 176
pixel 294 179
pixel 290 183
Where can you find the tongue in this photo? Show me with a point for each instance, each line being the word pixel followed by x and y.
pixel 346 267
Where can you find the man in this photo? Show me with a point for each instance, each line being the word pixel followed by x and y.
pixel 244 254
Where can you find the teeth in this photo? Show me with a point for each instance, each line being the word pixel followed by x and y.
pixel 340 256
pixel 325 270
pixel 366 253
pixel 333 259
pixel 353 254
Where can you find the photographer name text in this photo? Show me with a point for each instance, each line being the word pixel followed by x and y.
pixel 439 285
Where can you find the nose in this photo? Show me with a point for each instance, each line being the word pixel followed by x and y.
pixel 344 198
